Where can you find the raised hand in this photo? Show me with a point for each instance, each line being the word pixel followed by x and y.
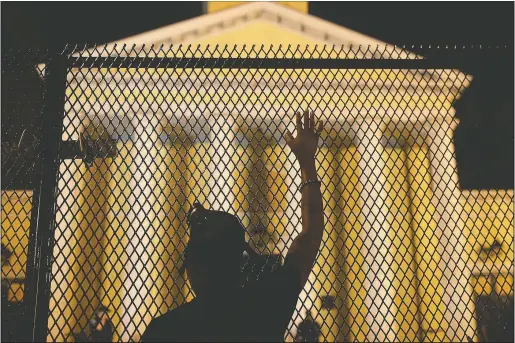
pixel 305 144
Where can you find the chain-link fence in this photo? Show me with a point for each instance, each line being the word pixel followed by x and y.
pixel 22 98
pixel 133 136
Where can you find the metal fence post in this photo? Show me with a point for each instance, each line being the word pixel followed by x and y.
pixel 43 214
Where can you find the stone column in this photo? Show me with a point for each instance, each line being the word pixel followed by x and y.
pixel 447 200
pixel 81 209
pixel 172 162
pixel 380 312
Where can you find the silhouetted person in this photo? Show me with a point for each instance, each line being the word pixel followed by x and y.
pixel 6 256
pixel 496 320
pixel 222 309
pixel 81 337
pixel 101 326
pixel 13 320
pixel 308 330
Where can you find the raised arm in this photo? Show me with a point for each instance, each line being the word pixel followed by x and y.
pixel 304 248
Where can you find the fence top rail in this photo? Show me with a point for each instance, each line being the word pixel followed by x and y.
pixel 254 57
pixel 259 63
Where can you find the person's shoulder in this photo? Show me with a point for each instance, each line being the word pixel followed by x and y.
pixel 163 320
pixel 285 276
pixel 174 315
pixel 161 327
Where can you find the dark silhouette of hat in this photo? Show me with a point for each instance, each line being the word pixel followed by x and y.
pixel 6 252
pixel 213 229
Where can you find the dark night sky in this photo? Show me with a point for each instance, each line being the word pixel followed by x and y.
pixel 485 147
pixel 42 23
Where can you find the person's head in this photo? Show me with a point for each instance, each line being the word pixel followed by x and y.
pixel 100 318
pixel 6 255
pixel 308 314
pixel 215 251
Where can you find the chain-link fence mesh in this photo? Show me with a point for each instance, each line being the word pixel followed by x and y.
pixel 22 98
pixel 406 254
